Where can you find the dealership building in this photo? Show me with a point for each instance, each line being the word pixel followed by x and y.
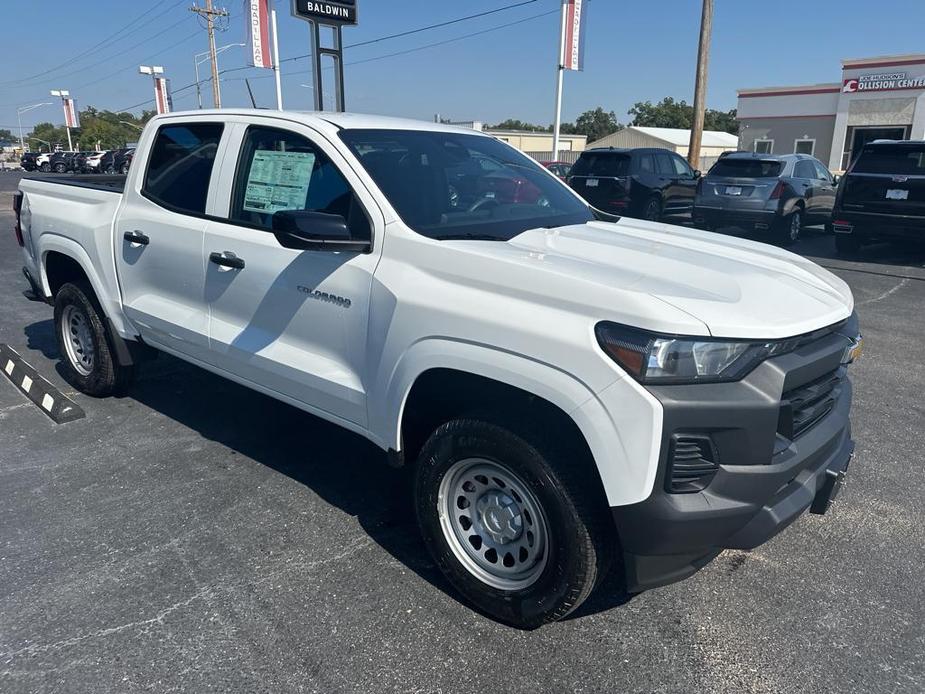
pixel 876 98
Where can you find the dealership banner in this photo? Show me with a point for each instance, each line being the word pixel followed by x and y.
pixel 162 95
pixel 258 32
pixel 573 53
pixel 71 119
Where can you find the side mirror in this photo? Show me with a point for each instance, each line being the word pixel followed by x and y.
pixel 319 231
pixel 835 179
pixel 697 174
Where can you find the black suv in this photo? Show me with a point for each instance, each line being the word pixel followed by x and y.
pixel 774 194
pixel 647 183
pixel 27 161
pixel 882 196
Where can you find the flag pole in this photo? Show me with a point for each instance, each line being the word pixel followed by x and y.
pixel 279 87
pixel 560 69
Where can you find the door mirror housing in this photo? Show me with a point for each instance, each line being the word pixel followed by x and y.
pixel 697 174
pixel 835 179
pixel 317 231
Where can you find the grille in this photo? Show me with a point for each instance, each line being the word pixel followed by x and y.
pixel 692 463
pixel 805 405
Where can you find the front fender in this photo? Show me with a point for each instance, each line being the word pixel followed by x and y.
pixel 620 442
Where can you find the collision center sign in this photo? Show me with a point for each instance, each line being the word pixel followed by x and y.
pixel 326 11
pixel 882 82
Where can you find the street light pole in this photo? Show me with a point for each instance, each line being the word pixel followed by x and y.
pixel 200 58
pixel 21 110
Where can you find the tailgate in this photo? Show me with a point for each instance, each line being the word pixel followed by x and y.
pixel 885 194
pixel 601 191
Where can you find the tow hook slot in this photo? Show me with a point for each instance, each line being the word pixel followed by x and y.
pixel 829 490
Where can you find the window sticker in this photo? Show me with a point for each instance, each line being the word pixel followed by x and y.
pixel 278 181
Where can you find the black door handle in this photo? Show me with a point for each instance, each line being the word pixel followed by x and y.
pixel 227 259
pixel 136 237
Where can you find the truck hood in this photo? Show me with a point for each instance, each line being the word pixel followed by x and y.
pixel 736 288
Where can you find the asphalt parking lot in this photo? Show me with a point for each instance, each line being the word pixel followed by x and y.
pixel 197 536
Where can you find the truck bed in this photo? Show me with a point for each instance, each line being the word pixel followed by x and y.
pixel 112 183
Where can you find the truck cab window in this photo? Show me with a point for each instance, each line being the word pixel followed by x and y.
pixel 180 166
pixel 279 171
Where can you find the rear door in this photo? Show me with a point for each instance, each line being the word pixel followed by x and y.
pixel 684 183
pixel 291 320
pixel 805 182
pixel 825 191
pixel 159 235
pixel 887 179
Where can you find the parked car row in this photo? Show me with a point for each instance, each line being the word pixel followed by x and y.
pixel 881 196
pixel 116 161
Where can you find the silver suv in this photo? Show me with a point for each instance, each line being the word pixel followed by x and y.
pixel 777 194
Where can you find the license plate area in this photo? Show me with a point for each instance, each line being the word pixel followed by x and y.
pixel 591 183
pixel 733 190
pixel 897 194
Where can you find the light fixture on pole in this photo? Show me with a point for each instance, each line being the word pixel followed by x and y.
pixel 21 110
pixel 71 119
pixel 162 100
pixel 205 57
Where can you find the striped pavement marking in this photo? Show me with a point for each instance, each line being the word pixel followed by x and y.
pixel 30 383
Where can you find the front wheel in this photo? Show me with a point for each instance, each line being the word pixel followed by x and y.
pixel 511 522
pixel 88 360
pixel 45 168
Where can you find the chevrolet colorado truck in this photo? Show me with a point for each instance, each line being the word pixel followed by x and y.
pixel 577 393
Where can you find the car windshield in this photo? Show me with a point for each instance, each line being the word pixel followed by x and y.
pixel 458 186
pixel 746 168
pixel 603 164
pixel 885 159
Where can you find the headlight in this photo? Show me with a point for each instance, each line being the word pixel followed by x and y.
pixel 653 358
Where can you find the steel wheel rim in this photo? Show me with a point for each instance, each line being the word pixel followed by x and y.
pixel 493 523
pixel 78 340
pixel 652 211
pixel 795 226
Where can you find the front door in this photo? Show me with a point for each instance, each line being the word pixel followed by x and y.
pixel 292 321
pixel 159 237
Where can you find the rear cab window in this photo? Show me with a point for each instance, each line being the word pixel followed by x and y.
pixel 746 168
pixel 180 166
pixel 904 160
pixel 604 164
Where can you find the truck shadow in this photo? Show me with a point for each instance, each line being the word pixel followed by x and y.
pixel 343 468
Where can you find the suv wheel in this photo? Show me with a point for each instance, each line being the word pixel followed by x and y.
pixel 124 169
pixel 847 244
pixel 88 361
pixel 45 168
pixel 510 522
pixel 790 227
pixel 60 168
pixel 653 210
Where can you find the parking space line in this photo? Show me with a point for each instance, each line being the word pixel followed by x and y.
pixel 30 383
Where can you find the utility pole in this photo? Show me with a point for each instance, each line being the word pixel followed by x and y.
pixel 700 85
pixel 210 14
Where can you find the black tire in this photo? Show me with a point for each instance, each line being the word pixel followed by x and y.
pixel 102 375
pixel 45 168
pixel 789 229
pixel 847 244
pixel 580 539
pixel 653 209
pixel 124 169
pixel 60 168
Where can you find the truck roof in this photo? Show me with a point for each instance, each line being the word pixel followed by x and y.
pixel 325 119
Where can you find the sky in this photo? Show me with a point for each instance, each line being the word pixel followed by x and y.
pixel 635 51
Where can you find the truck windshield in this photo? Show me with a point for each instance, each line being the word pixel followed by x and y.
pixel 458 186
pixel 746 168
pixel 892 159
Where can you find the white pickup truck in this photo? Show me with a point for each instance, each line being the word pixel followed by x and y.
pixel 577 393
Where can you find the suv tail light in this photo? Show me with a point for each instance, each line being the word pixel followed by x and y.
pixel 778 191
pixel 17 209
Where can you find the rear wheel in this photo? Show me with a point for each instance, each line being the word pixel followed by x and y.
pixel 653 209
pixel 88 360
pixel 846 244
pixel 45 168
pixel 790 227
pixel 510 521
pixel 60 168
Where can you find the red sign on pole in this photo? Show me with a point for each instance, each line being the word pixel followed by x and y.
pixel 258 32
pixel 71 119
pixel 162 95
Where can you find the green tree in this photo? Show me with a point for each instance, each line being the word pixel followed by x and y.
pixel 669 113
pixel 514 124
pixel 596 123
pixel 6 135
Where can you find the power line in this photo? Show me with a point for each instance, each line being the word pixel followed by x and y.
pixel 124 31
pixel 383 38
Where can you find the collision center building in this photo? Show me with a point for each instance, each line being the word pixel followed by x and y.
pixel 877 98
